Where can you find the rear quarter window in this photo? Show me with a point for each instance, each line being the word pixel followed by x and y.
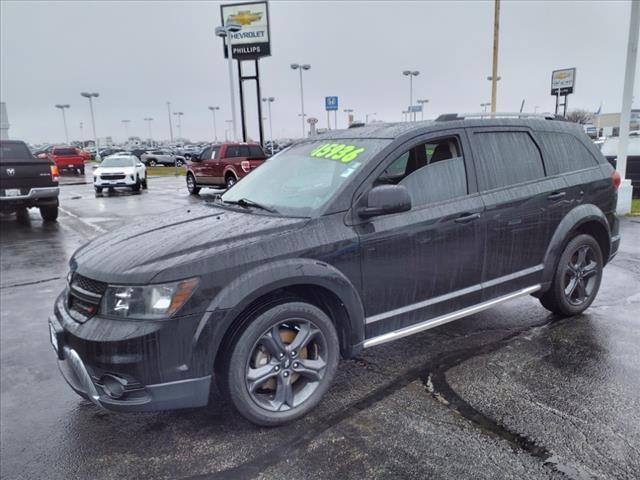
pixel 506 158
pixel 14 151
pixel 565 153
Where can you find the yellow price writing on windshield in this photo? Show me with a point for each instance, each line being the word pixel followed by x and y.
pixel 337 151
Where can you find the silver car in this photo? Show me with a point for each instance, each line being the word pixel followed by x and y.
pixel 162 157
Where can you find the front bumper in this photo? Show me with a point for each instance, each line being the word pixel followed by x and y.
pixel 145 379
pixel 125 182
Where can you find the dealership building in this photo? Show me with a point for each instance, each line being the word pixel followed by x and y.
pixel 608 124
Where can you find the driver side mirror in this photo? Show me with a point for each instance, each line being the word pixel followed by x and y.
pixel 385 199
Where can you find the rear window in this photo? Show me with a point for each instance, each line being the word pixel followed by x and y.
pixel 232 151
pixel 506 158
pixel 565 153
pixel 65 152
pixel 11 151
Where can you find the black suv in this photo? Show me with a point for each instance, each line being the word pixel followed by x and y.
pixel 337 244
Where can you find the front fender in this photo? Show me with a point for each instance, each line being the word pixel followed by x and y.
pixel 232 300
pixel 570 224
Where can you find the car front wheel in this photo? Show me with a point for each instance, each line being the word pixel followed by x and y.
pixel 192 186
pixel 282 363
pixel 230 181
pixel 577 277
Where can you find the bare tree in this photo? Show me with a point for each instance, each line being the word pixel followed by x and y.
pixel 580 116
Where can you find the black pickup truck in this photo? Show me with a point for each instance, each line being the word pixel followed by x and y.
pixel 27 181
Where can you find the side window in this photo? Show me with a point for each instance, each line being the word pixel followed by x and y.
pixel 506 158
pixel 431 172
pixel 565 153
pixel 206 153
pixel 232 151
pixel 243 151
pixel 255 151
pixel 215 153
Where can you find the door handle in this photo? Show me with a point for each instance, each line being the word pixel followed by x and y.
pixel 467 217
pixel 556 196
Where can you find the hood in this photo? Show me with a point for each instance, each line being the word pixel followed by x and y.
pixel 184 240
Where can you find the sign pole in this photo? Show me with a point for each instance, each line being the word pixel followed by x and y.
pixel 260 125
pixel 328 123
pixel 335 119
pixel 242 119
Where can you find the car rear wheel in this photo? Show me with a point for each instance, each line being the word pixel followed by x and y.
pixel 136 186
pixel 192 186
pixel 98 189
pixel 282 363
pixel 577 278
pixel 179 163
pixel 49 213
pixel 144 183
pixel 230 180
pixel 152 162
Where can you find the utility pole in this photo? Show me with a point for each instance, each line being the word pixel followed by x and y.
pixel 215 133
pixel 625 191
pixel 494 70
pixel 170 122
pixel 149 120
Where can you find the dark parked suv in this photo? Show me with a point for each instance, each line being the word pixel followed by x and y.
pixel 338 244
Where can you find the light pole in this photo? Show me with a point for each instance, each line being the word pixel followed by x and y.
pixel 225 32
pixel 215 132
pixel 348 111
pixel 226 130
pixel 535 109
pixel 64 120
pixel 149 120
pixel 366 117
pixel 410 74
pixel 494 89
pixel 91 96
pixel 179 125
pixel 269 101
pixel 126 129
pixel 297 66
pixel 494 67
pixel 405 115
pixel 81 135
pixel 485 105
pixel 422 102
pixel 170 122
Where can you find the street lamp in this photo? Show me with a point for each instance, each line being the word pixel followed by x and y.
pixel 179 115
pixel 225 32
pixel 126 129
pixel 170 121
pixel 423 103
pixel 215 133
pixel 91 96
pixel 297 66
pixel 149 120
pixel 81 135
pixel 64 120
pixel 405 114
pixel 226 130
pixel 494 85
pixel 269 101
pixel 485 105
pixel 348 111
pixel 366 117
pixel 410 74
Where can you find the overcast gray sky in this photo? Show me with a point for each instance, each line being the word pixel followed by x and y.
pixel 140 54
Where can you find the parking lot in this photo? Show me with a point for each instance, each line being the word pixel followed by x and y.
pixel 512 392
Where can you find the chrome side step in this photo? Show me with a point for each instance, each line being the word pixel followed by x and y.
pixel 435 322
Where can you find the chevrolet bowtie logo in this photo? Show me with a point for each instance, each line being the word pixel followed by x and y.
pixel 244 17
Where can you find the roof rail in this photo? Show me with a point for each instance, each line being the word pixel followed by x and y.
pixel 447 117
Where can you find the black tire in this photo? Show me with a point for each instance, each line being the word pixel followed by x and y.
pixel 144 184
pixel 136 186
pixel 98 189
pixel 152 162
pixel 112 190
pixel 179 163
pixel 22 215
pixel 49 213
pixel 230 180
pixel 192 186
pixel 295 379
pixel 81 170
pixel 577 278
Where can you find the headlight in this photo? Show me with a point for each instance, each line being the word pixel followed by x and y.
pixel 149 302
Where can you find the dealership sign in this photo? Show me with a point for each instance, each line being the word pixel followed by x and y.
pixel 253 39
pixel 563 81
pixel 330 103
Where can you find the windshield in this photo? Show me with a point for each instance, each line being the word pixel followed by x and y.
pixel 117 162
pixel 14 151
pixel 302 179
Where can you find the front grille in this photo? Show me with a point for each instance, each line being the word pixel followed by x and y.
pixel 84 297
pixel 88 284
pixel 112 177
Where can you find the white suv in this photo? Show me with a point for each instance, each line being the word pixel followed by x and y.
pixel 120 171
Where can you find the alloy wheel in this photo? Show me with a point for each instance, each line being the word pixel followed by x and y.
pixel 581 275
pixel 286 365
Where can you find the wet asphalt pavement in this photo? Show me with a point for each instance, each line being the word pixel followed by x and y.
pixel 512 392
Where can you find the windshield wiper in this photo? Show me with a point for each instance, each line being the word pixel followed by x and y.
pixel 246 203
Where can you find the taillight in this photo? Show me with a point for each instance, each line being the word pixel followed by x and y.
pixel 54 172
pixel 615 178
pixel 246 165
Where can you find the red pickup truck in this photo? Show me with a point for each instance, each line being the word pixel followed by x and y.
pixel 222 165
pixel 67 158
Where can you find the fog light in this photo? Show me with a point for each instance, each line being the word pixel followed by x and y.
pixel 112 386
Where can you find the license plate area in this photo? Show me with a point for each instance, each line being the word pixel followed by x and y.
pixel 12 192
